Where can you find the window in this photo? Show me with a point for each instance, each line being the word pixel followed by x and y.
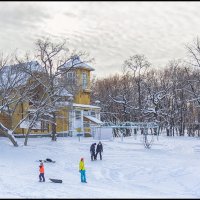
pixel 44 126
pixel 84 81
pixel 86 124
pixel 92 113
pixel 78 114
pixel 71 77
pixel 85 112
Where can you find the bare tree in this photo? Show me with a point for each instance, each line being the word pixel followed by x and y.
pixel 137 65
pixel 12 93
pixel 55 60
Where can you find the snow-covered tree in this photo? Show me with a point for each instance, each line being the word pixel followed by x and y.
pixel 13 92
pixel 55 60
pixel 138 66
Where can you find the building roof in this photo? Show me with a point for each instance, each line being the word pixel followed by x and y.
pixel 93 119
pixel 31 66
pixel 18 74
pixel 64 93
pixel 85 106
pixel 15 75
pixel 76 62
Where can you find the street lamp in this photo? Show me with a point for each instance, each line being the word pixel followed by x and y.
pixel 70 99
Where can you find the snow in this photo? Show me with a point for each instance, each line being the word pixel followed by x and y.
pixel 94 119
pixel 64 93
pixel 33 66
pixel 62 103
pixel 85 106
pixel 150 110
pixel 77 63
pixel 26 124
pixel 14 75
pixel 170 169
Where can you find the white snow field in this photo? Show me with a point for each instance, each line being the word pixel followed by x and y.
pixel 170 169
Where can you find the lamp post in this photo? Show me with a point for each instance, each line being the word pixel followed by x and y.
pixel 70 122
pixel 98 128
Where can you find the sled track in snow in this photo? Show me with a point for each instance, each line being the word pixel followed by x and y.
pixel 196 148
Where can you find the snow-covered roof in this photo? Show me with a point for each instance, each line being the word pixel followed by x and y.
pixel 85 106
pixel 31 66
pixel 64 93
pixel 94 119
pixel 76 62
pixel 16 75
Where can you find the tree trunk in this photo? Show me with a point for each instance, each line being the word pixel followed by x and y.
pixel 26 137
pixel 53 126
pixel 5 132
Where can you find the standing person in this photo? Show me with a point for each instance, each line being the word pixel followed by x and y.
pixel 82 170
pixel 92 151
pixel 99 150
pixel 41 176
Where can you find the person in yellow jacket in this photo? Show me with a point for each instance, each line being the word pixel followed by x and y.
pixel 82 170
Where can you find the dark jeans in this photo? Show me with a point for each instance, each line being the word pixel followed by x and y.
pixel 99 154
pixel 93 157
pixel 41 177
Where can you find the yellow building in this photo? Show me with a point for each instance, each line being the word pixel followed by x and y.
pixel 74 114
pixel 82 116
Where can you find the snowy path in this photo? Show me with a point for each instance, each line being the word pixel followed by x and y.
pixel 128 170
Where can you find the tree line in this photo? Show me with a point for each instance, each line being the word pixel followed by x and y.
pixel 142 93
pixel 169 96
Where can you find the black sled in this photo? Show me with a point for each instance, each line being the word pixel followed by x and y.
pixel 48 160
pixel 55 180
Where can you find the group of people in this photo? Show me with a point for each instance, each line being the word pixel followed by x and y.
pixel 99 149
pixel 94 153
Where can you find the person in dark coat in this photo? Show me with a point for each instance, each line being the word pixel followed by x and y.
pixel 92 151
pixel 99 150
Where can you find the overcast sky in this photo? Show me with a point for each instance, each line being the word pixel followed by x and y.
pixel 109 31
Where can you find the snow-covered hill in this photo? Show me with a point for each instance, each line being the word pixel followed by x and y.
pixel 171 168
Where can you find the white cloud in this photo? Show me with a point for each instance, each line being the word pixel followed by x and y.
pixel 109 31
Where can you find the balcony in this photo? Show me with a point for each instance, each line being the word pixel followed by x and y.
pixel 87 90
